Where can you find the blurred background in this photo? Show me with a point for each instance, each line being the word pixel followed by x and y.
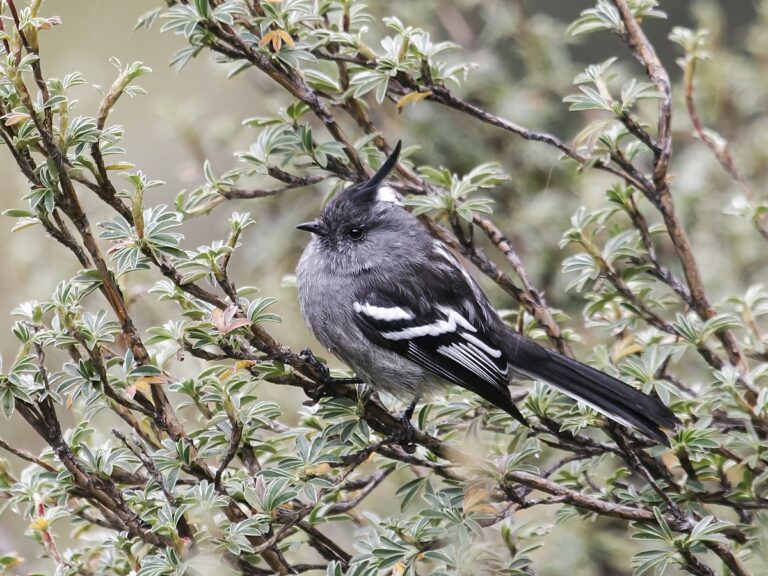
pixel 525 66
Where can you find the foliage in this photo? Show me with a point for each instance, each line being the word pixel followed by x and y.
pixel 202 466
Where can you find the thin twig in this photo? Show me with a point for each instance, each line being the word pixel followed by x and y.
pixel 720 149
pixel 28 456
pixel 235 435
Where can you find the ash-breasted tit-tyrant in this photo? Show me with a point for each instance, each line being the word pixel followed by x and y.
pixel 391 301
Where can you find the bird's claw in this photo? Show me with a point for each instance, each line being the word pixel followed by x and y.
pixel 318 393
pixel 325 381
pixel 405 435
pixel 324 375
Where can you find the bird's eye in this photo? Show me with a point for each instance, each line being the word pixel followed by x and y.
pixel 355 233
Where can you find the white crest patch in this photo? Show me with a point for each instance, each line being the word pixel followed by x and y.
pixel 387 194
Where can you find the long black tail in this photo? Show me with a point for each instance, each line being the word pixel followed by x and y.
pixel 606 394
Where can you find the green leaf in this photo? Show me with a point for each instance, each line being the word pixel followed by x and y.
pixel 370 80
pixel 719 323
pixel 17 213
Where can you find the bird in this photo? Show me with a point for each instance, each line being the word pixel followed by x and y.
pixel 382 294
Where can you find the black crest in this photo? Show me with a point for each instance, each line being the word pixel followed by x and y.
pixel 366 191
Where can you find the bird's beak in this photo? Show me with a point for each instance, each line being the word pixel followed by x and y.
pixel 315 226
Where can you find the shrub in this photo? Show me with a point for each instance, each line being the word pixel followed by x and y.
pixel 202 469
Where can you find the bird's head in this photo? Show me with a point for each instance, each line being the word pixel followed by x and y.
pixel 364 218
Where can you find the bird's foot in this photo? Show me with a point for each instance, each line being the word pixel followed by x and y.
pixel 325 381
pixel 311 360
pixel 406 433
pixel 316 394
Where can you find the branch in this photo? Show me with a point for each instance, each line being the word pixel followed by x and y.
pixel 644 52
pixel 239 193
pixel 720 149
pixel 28 456
pixel 445 97
pixel 236 435
pixel 374 480
pixel 575 498
pixel 185 530
pixel 230 44
pixel 101 490
pixel 534 299
pixel 106 191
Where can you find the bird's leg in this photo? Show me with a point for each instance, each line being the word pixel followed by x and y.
pixel 408 414
pixel 325 380
pixel 406 434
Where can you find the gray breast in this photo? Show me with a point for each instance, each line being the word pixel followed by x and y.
pixel 326 305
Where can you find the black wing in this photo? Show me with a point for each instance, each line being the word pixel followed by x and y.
pixel 445 329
